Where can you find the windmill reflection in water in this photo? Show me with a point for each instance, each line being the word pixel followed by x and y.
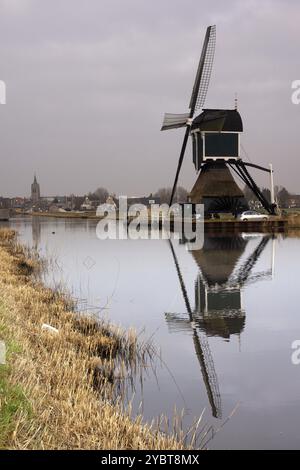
pixel 218 307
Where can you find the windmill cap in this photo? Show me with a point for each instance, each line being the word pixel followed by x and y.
pixel 226 120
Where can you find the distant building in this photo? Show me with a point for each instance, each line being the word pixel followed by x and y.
pixel 18 202
pixel 35 190
pixel 145 200
pixel 254 205
pixel 87 205
pixel 294 201
pixel 109 206
pixel 5 203
pixel 110 201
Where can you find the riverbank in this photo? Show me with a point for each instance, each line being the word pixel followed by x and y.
pixel 4 214
pixel 273 224
pixel 293 221
pixel 67 215
pixel 57 384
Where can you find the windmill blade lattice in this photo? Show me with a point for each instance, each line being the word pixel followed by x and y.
pixel 204 70
pixel 198 97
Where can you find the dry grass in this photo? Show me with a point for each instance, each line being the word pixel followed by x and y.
pixel 294 221
pixel 66 215
pixel 64 380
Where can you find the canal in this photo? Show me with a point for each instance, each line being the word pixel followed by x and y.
pixel 223 320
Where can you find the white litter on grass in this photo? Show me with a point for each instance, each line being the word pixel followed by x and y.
pixel 51 329
pixel 2 353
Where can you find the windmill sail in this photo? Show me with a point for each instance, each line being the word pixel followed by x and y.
pixel 197 99
pixel 174 121
pixel 204 70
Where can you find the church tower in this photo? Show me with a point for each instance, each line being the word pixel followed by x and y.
pixel 35 190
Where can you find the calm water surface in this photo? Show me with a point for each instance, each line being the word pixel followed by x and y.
pixel 223 317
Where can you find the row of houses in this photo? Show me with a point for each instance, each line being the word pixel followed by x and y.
pixel 69 203
pixel 83 203
pixel 291 202
pixel 294 201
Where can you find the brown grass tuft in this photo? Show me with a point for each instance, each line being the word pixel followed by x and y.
pixel 67 378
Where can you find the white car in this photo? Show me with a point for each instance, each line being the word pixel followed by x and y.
pixel 251 216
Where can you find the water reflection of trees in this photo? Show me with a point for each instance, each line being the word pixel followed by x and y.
pixel 36 232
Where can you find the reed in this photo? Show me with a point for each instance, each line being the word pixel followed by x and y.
pixel 63 385
pixel 294 221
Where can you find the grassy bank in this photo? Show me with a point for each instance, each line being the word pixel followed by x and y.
pixel 56 389
pixel 67 215
pixel 224 220
pixel 293 221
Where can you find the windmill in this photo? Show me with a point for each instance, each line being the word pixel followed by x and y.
pixel 216 146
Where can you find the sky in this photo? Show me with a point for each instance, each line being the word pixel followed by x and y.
pixel 88 82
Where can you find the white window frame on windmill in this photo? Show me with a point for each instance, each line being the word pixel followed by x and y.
pixel 221 157
pixel 197 161
pixel 205 157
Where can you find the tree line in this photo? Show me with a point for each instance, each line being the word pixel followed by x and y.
pixel 163 194
pixel 282 195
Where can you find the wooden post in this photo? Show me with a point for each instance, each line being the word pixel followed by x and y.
pixel 272 184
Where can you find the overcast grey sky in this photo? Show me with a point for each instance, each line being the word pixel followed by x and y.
pixel 88 83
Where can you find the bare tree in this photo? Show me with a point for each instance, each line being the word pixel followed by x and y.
pixel 77 201
pixel 100 194
pixel 248 193
pixel 164 194
pixel 267 194
pixel 283 197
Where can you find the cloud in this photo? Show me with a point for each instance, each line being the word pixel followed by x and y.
pixel 88 84
pixel 14 7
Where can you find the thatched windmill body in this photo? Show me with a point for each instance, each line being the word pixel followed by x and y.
pixel 216 146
